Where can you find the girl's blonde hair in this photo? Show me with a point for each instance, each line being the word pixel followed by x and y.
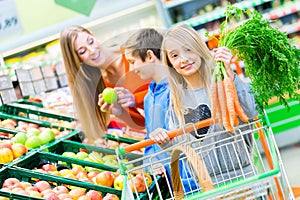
pixel 189 38
pixel 85 83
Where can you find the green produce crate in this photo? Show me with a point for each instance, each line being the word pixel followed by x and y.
pixel 73 146
pixel 282 119
pixel 40 123
pixel 28 102
pixel 37 159
pixel 31 176
pixel 120 139
pixel 15 109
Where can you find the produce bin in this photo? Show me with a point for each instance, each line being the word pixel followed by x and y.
pixel 73 146
pixel 32 177
pixel 38 114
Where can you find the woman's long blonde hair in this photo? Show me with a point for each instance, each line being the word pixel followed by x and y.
pixel 188 37
pixel 85 83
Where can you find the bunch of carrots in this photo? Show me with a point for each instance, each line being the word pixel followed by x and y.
pixel 226 107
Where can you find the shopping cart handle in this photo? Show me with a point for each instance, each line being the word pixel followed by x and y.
pixel 172 134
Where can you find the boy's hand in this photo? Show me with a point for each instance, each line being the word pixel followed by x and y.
pixel 125 97
pixel 159 136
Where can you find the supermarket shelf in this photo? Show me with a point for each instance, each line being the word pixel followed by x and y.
pixel 174 3
pixel 287 9
pixel 51 33
pixel 291 28
pixel 219 13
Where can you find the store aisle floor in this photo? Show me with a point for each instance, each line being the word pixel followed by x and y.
pixel 291 161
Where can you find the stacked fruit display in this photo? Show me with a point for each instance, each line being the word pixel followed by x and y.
pixel 10 150
pixel 43 189
pixel 30 134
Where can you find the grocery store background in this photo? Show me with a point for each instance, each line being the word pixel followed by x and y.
pixel 33 40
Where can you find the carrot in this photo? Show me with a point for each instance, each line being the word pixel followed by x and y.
pixel 227 125
pixel 236 120
pixel 229 87
pixel 222 101
pixel 214 97
pixel 238 108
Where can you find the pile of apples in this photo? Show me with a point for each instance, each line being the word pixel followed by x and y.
pixel 109 144
pixel 31 135
pixel 110 160
pixel 43 189
pixel 10 150
pixel 138 181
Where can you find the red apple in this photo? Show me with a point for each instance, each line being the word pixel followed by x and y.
pixel 35 194
pixel 77 192
pixel 84 197
pixel 30 188
pixel 109 196
pixel 81 175
pixel 49 167
pixel 11 183
pixel 25 184
pixel 137 183
pixel 93 174
pixel 147 178
pixel 19 191
pixel 51 196
pixel 18 150
pixel 105 178
pixel 47 191
pixel 77 168
pixel 64 196
pixel 94 195
pixel 61 190
pixel 5 144
pixel 42 185
pixel 6 155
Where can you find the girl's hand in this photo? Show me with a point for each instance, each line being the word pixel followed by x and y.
pixel 159 136
pixel 125 97
pixel 223 54
pixel 116 109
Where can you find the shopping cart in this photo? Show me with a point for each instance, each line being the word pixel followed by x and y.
pixel 245 165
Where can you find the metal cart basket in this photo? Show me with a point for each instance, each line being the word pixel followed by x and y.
pixel 221 165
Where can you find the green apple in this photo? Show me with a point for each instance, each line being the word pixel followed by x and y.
pixel 109 157
pixel 20 137
pixel 49 132
pixel 112 163
pixel 96 157
pixel 109 95
pixel 82 155
pixel 69 154
pixel 33 142
pixel 46 137
pixel 33 132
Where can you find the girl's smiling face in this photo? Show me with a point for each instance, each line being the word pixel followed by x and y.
pixel 88 49
pixel 185 61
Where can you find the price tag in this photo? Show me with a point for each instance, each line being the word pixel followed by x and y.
pixel 35 74
pixel 8 96
pixel 63 80
pixel 39 86
pixel 51 83
pixel 60 68
pixel 23 75
pixel 26 88
pixel 5 82
pixel 9 20
pixel 47 71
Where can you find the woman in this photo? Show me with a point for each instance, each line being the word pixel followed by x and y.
pixel 90 68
